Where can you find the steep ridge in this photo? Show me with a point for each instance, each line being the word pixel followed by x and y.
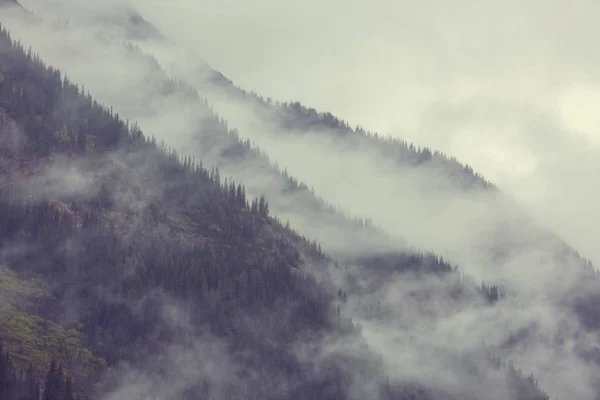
pixel 105 247
pixel 143 250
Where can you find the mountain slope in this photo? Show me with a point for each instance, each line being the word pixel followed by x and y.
pixel 193 229
pixel 122 244
pixel 152 258
pixel 174 111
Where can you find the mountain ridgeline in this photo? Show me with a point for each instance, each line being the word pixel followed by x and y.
pixel 294 118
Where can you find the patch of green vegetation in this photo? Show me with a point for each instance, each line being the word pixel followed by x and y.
pixel 90 143
pixel 63 136
pixel 32 338
pixel 177 224
pixel 14 291
pixel 216 228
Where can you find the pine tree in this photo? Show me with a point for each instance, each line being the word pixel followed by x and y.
pixel 54 385
pixel 69 390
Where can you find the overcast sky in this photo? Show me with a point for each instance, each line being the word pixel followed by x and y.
pixel 510 87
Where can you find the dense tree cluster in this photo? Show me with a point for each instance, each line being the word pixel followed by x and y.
pixel 28 385
pixel 216 249
pixel 14 384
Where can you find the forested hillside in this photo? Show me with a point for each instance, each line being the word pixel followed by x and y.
pixel 148 214
pixel 508 238
pixel 118 250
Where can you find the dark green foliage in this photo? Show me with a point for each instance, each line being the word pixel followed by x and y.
pixel 212 250
pixel 490 293
pixel 54 386
pixel 523 387
pixel 25 385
